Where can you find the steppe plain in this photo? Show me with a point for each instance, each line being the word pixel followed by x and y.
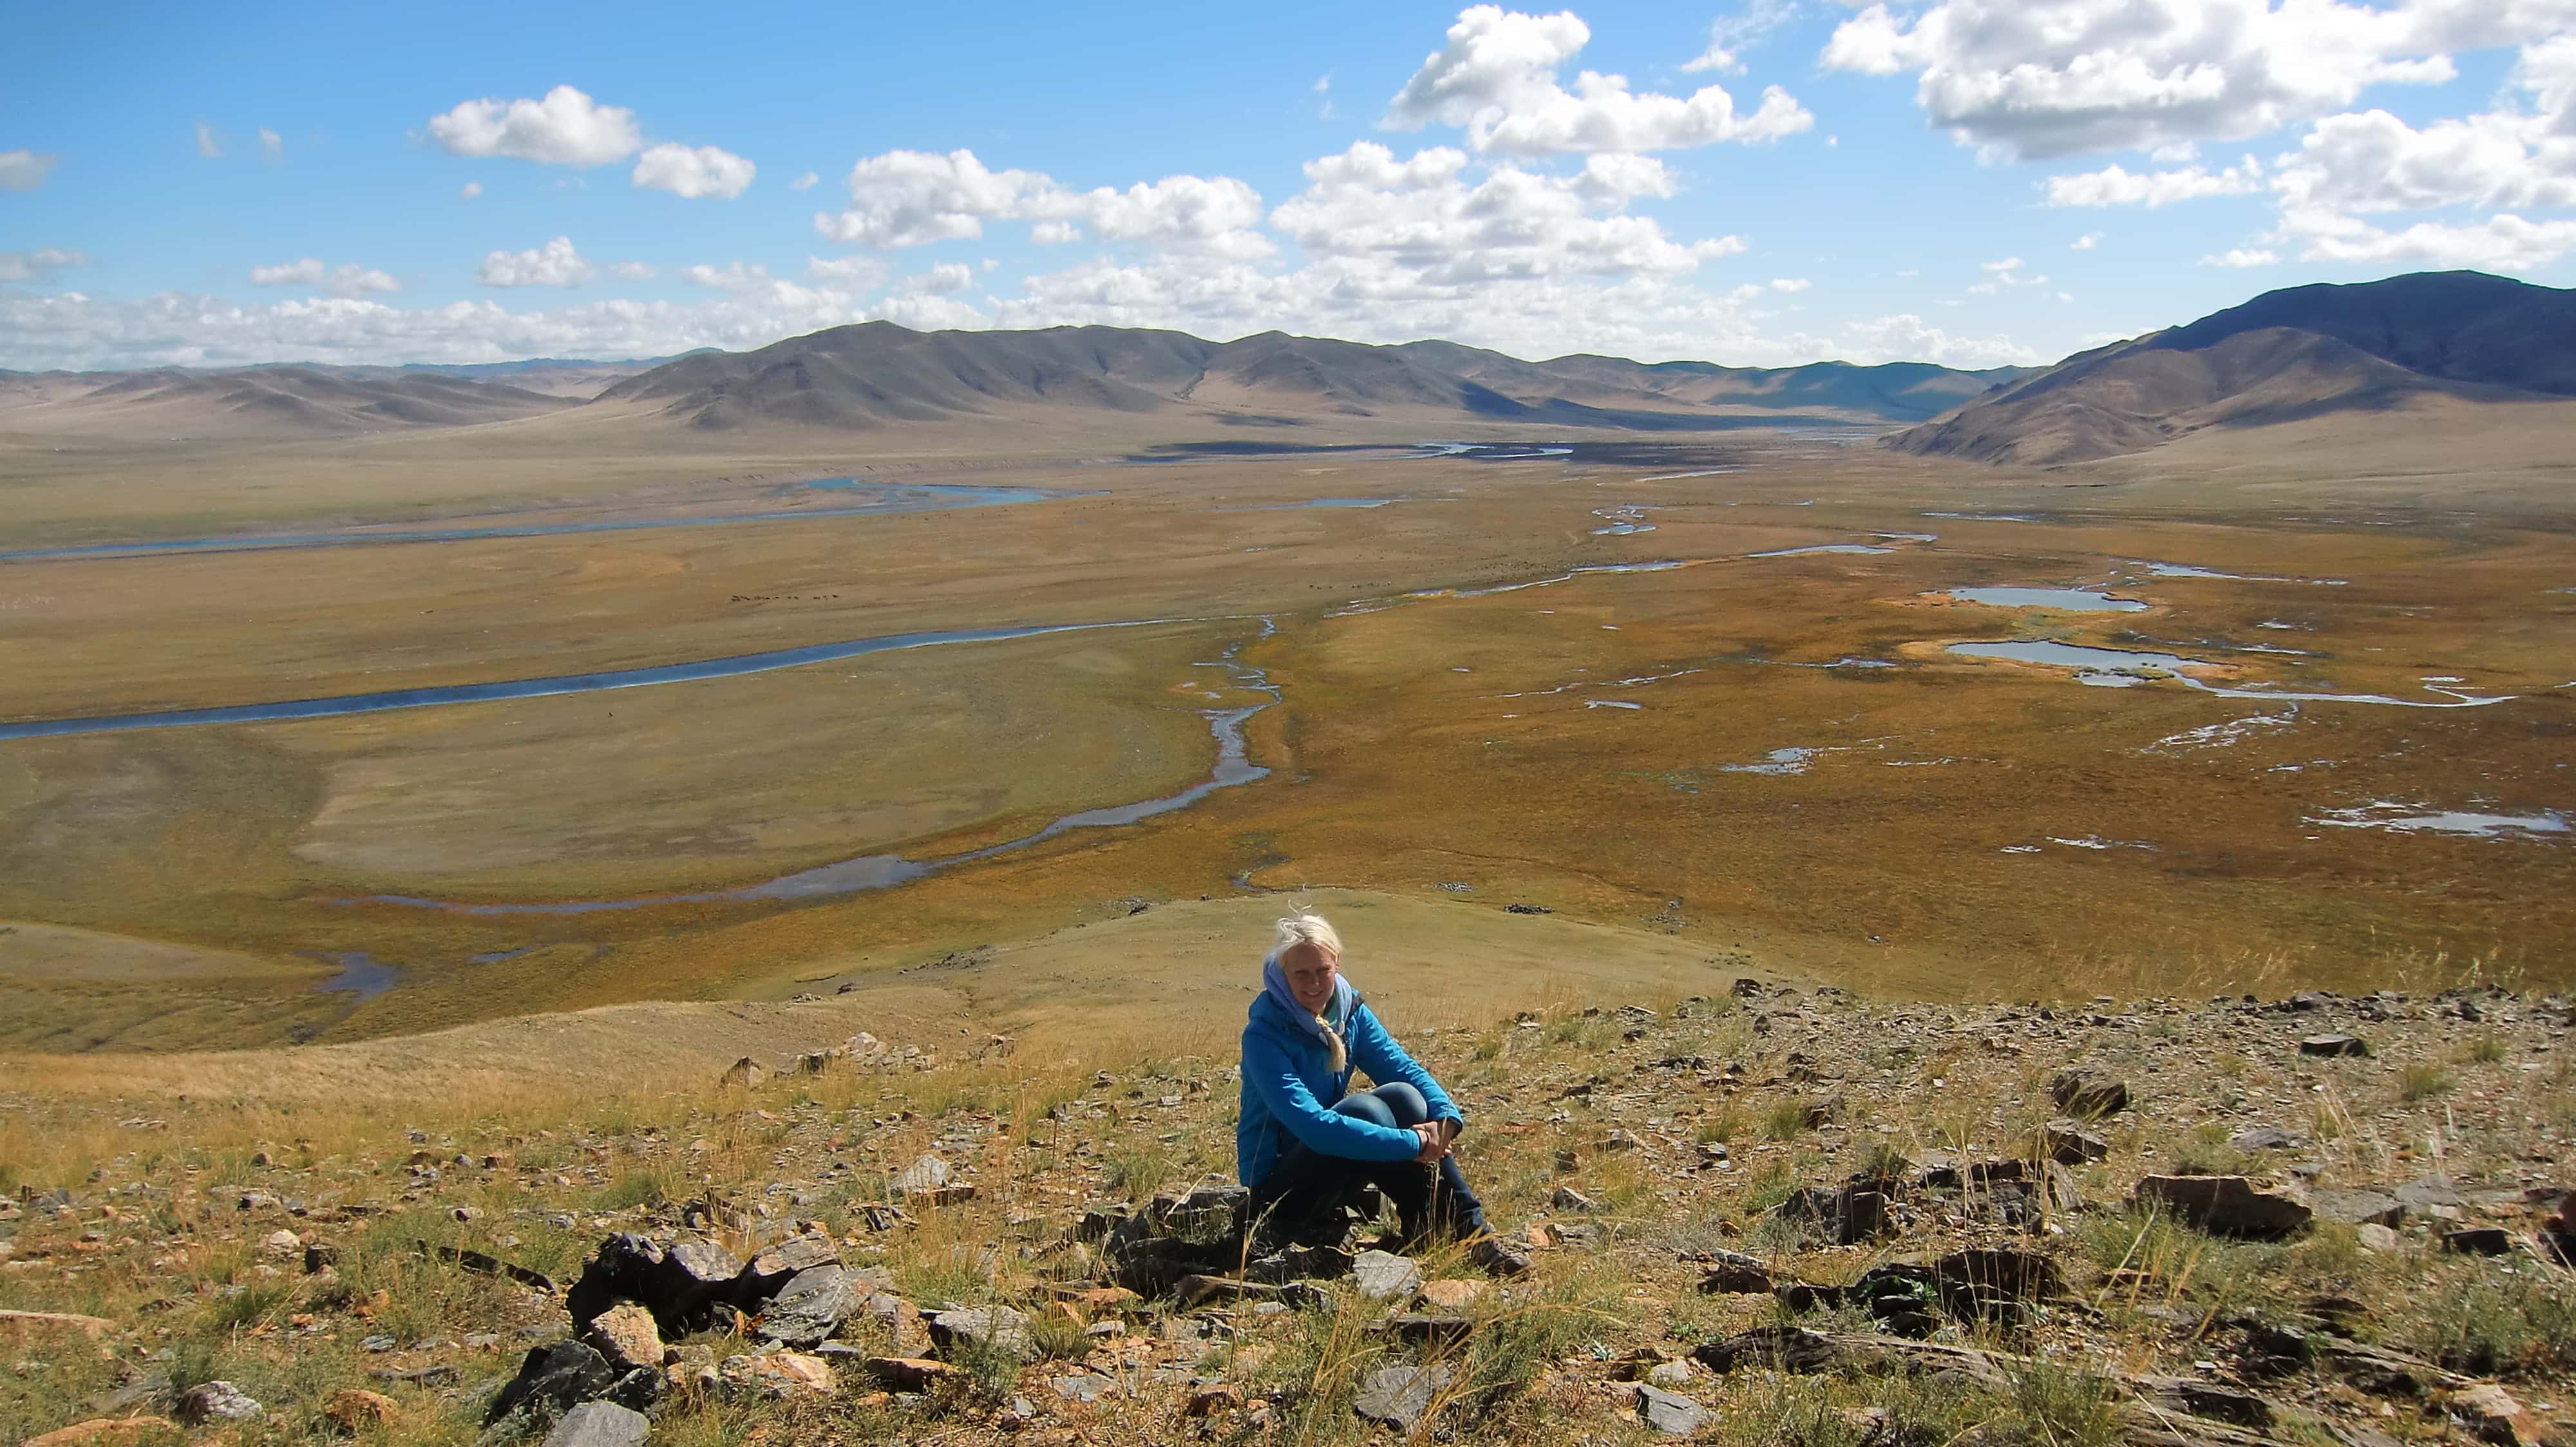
pixel 1607 675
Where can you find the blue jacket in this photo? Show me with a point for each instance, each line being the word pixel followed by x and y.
pixel 1289 1088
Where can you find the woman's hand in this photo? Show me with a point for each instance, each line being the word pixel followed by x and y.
pixel 1435 1142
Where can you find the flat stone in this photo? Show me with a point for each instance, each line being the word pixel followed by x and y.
pixel 1670 1414
pixel 810 1309
pixel 1736 1273
pixel 779 1376
pixel 2070 1144
pixel 99 1429
pixel 1569 1199
pixel 2265 1138
pixel 2358 1208
pixel 2428 1192
pixel 1679 1373
pixel 1384 1276
pixel 2477 1241
pixel 1399 1397
pixel 2375 1237
pixel 600 1424
pixel 770 1271
pixel 2193 1397
pixel 1082 1387
pixel 997 1327
pixel 2495 1416
pixel 2225 1206
pixel 2333 1045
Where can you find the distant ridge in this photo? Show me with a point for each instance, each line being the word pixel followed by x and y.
pixel 876 374
pixel 2285 355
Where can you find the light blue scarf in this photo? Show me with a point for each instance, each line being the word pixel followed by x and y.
pixel 1274 983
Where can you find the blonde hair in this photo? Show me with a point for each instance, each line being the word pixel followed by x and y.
pixel 1308 928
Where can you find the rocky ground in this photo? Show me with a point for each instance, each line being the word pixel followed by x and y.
pixel 1769 1217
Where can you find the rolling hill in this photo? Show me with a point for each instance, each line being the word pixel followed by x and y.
pixel 261 401
pixel 2286 355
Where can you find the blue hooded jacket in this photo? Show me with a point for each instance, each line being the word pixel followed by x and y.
pixel 1289 1087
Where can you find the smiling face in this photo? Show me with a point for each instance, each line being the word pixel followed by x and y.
pixel 1310 969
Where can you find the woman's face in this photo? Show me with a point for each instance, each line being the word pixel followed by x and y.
pixel 1310 974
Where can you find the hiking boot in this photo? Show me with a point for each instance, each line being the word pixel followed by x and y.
pixel 1498 1256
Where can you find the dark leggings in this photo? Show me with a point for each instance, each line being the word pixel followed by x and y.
pixel 1306 1189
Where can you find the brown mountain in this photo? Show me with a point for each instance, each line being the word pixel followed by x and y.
pixel 265 401
pixel 2285 355
pixel 876 373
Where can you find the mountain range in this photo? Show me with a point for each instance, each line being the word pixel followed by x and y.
pixel 2284 356
pixel 877 375
pixel 2300 353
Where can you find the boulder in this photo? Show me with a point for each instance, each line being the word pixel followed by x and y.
pixel 2492 1413
pixel 810 1309
pixel 2089 1094
pixel 626 1337
pixel 600 1424
pixel 2333 1046
pixel 1846 1216
pixel 2224 1206
pixel 767 1273
pixel 1732 1272
pixel 216 1402
pixel 685 1285
pixel 553 1379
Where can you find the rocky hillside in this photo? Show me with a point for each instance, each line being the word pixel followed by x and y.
pixel 2285 355
pixel 1769 1217
pixel 877 374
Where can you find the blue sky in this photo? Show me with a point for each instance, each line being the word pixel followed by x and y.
pixel 1966 181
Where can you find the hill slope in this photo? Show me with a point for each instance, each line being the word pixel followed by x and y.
pixel 876 374
pixel 2284 355
pixel 266 401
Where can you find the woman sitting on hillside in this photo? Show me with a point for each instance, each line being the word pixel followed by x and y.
pixel 1305 1159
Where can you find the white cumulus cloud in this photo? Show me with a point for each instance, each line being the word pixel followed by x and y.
pixel 1497 78
pixel 347 279
pixel 2047 78
pixel 633 270
pixel 2243 256
pixel 702 171
pixel 913 198
pixel 2115 185
pixel 565 128
pixel 732 276
pixel 25 170
pixel 805 182
pixel 554 264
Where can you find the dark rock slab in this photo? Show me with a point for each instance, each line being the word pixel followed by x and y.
pixel 997 1327
pixel 2333 1046
pixel 2197 1398
pixel 2358 1208
pixel 2477 1241
pixel 2070 1144
pixel 811 1306
pixel 552 1380
pixel 2225 1206
pixel 1400 1397
pixel 1671 1413
pixel 766 1274
pixel 2089 1094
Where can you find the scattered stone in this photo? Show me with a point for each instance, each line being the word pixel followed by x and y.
pixel 92 1325
pixel 2194 1397
pixel 1083 1387
pixel 745 1073
pixel 2070 1144
pixel 2375 1237
pixel 810 1309
pixel 1569 1199
pixel 1670 1414
pixel 997 1327
pixel 1736 1273
pixel 924 1176
pixel 320 1257
pixel 2265 1138
pixel 778 1376
pixel 1428 1328
pixel 1209 1401
pixel 2357 1208
pixel 2492 1413
pixel 1452 1295
pixel 353 1409
pixel 910 1374
pixel 2332 1046
pixel 2224 1206
pixel 2477 1241
pixel 96 1429
pixel 1673 1373
pixel 216 1402
pixel 552 1379
pixel 2089 1094
pixel 1400 1397
pixel 600 1424
pixel 1383 1276
pixel 625 1337
pixel 767 1273
pixel 1523 909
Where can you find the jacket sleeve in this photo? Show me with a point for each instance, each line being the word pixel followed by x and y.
pixel 1269 1071
pixel 1376 1052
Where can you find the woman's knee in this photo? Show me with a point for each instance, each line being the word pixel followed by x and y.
pixel 1404 1103
pixel 1371 1106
